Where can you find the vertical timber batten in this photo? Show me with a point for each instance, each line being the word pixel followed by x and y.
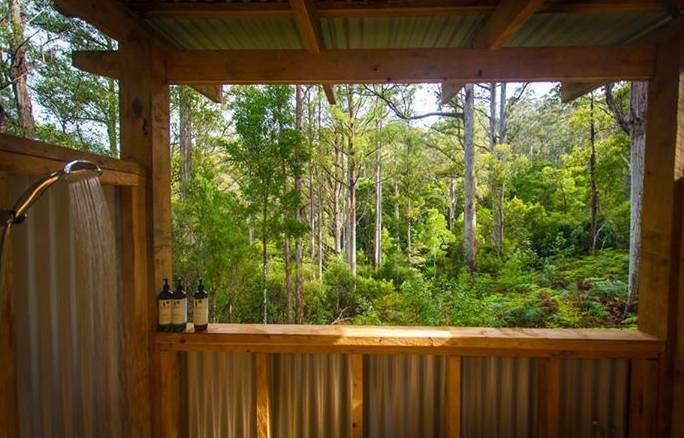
pixel 8 365
pixel 660 233
pixel 453 397
pixel 144 118
pixel 357 395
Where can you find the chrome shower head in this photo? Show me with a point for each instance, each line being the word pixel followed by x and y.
pixel 72 171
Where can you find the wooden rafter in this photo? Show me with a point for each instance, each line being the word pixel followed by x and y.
pixel 330 94
pixel 573 64
pixel 450 89
pixel 570 91
pixel 308 24
pixel 332 9
pixel 506 19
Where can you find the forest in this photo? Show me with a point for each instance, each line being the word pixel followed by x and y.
pixel 499 207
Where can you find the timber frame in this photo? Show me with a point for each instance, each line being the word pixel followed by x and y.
pixel 146 64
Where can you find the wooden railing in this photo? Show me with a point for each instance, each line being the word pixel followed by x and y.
pixel 551 345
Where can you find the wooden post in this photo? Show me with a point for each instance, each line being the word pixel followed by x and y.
pixel 8 370
pixel 357 395
pixel 659 275
pixel 144 118
pixel 549 398
pixel 262 373
pixel 452 397
pixel 643 399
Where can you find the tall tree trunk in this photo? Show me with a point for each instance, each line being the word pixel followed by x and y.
pixel 287 256
pixel 112 113
pixel 19 71
pixel 502 114
pixel 264 255
pixel 638 104
pixel 337 188
pixel 494 183
pixel 397 212
pixel 470 219
pixel 409 230
pixel 377 250
pixel 185 131
pixel 299 216
pixel 351 188
pixel 320 233
pixel 452 204
pixel 593 222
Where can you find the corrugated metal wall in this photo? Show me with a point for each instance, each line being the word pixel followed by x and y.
pixel 403 396
pixel 60 387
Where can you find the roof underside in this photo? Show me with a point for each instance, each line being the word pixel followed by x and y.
pixel 373 24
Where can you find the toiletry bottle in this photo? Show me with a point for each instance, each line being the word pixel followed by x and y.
pixel 179 308
pixel 200 308
pixel 164 301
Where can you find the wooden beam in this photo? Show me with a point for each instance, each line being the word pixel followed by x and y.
pixel 107 63
pixel 584 64
pixel 506 19
pixel 549 398
pixel 357 395
pixel 9 415
pixel 416 340
pixel 449 90
pixel 330 94
pixel 570 91
pixel 308 24
pixel 110 17
pixel 452 397
pixel 331 9
pixel 262 373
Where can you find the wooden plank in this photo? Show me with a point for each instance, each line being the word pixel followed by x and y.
pixel 109 16
pixel 330 94
pixel 452 399
pixel 262 373
pixel 506 19
pixel 584 64
pixel 549 398
pixel 677 412
pixel 570 91
pixel 308 24
pixel 136 321
pixel 211 92
pixel 418 340
pixel 357 395
pixel 144 119
pixel 449 90
pixel 330 9
pixel 8 371
pixel 643 398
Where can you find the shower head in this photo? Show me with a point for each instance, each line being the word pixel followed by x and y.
pixel 72 171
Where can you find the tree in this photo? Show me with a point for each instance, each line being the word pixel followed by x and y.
pixel 19 70
pixel 470 214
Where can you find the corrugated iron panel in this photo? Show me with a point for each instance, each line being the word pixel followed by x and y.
pixel 63 374
pixel 311 396
pixel 499 397
pixel 229 33
pixel 399 32
pixel 594 397
pixel 404 396
pixel 556 30
pixel 220 395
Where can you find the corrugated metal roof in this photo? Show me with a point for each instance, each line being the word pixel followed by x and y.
pixel 399 32
pixel 229 33
pixel 555 30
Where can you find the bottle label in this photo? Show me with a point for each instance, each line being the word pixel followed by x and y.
pixel 164 312
pixel 179 311
pixel 200 311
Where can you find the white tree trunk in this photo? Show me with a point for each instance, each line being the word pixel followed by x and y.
pixel 638 104
pixel 470 245
pixel 377 253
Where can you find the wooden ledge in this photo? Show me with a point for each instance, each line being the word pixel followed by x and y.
pixel 587 343
pixel 30 157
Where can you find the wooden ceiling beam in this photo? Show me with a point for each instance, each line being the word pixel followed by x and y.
pixel 579 64
pixel 330 94
pixel 308 24
pixel 105 63
pixel 570 91
pixel 450 89
pixel 111 17
pixel 506 19
pixel 328 9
